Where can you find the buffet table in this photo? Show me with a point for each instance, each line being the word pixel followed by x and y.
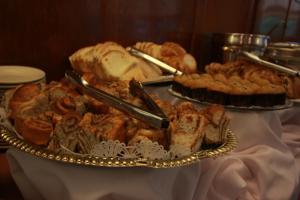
pixel 265 165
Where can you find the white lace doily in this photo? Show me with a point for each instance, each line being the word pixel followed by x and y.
pixel 144 149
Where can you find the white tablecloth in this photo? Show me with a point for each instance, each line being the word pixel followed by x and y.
pixel 265 165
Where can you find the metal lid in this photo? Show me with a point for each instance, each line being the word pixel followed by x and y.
pixel 242 39
pixel 284 51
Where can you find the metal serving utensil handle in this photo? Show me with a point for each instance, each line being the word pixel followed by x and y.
pixel 134 111
pixel 137 89
pixel 155 61
pixel 280 68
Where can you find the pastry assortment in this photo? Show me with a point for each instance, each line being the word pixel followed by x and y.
pixel 110 61
pixel 58 115
pixel 238 83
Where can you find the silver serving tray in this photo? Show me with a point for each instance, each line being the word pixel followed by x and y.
pixel 288 103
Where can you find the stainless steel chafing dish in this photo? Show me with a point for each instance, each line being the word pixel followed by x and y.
pixel 284 53
pixel 228 46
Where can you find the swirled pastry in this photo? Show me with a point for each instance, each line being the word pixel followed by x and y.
pixel 188 128
pixel 58 116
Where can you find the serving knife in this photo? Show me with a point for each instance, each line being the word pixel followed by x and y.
pixel 148 117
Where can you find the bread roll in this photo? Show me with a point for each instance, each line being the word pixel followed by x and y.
pixel 110 61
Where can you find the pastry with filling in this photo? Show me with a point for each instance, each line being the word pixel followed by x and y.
pixel 188 128
pixel 215 131
pixel 60 117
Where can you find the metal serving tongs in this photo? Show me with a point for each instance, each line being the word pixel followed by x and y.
pixel 165 67
pixel 151 118
pixel 254 58
pixel 136 89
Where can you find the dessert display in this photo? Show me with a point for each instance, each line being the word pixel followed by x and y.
pixel 59 116
pixel 237 83
pixel 83 117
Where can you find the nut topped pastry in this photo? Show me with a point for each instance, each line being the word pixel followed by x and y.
pixel 236 83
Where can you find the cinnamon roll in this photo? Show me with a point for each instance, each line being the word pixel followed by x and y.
pixel 188 128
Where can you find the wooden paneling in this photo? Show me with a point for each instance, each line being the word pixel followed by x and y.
pixel 224 16
pixel 149 20
pixel 216 16
pixel 44 33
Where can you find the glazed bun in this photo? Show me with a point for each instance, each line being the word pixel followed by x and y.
pixel 35 131
pixel 21 95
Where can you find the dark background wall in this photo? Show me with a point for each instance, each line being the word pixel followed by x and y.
pixel 44 33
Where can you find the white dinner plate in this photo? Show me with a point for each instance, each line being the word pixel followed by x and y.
pixel 14 74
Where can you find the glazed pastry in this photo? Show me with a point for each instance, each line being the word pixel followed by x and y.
pixel 155 135
pixel 59 117
pixel 188 128
pixel 66 132
pixel 104 127
pixel 33 130
pixel 23 94
pixel 170 53
pixel 215 133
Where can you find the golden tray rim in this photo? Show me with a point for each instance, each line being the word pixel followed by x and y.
pixel 13 140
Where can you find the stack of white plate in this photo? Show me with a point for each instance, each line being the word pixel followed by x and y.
pixel 12 75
